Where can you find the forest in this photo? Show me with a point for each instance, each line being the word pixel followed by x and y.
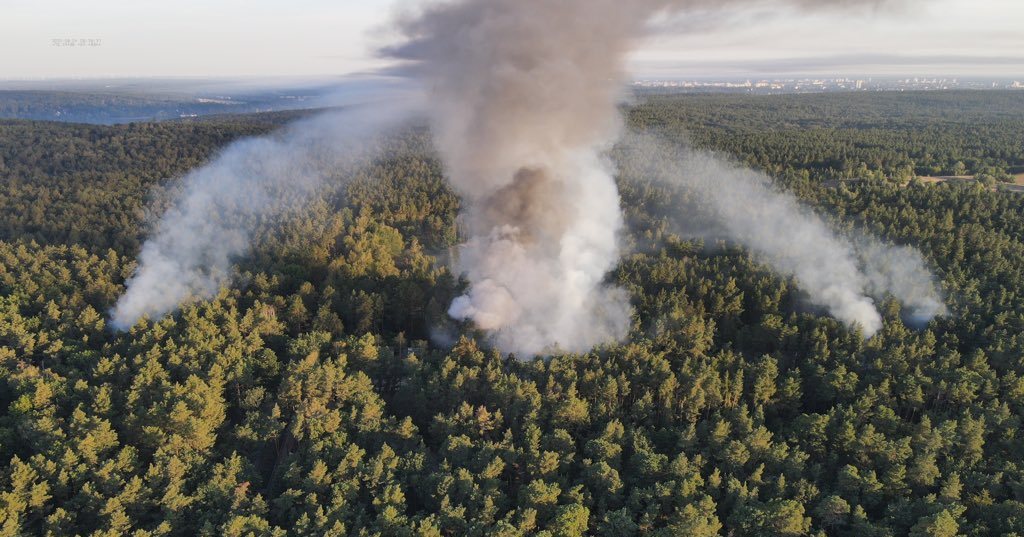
pixel 139 103
pixel 316 396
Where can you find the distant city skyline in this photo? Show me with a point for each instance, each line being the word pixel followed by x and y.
pixel 823 84
pixel 44 39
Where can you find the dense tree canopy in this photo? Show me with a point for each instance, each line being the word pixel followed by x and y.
pixel 308 398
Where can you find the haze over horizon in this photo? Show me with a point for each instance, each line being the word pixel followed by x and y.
pixel 317 38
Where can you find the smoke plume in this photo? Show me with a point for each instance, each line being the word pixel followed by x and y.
pixel 902 272
pixel 841 274
pixel 523 100
pixel 190 252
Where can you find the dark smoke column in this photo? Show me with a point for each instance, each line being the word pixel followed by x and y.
pixel 522 95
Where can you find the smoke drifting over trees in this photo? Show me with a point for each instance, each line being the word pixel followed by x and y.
pixel 524 97
pixel 840 274
pixel 523 103
pixel 190 252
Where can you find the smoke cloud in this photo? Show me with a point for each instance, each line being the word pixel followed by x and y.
pixel 842 275
pixel 523 100
pixel 190 252
pixel 902 272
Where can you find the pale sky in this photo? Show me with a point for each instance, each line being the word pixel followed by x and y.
pixel 229 38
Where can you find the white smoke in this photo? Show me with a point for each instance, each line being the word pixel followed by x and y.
pixel 902 272
pixel 191 250
pixel 840 274
pixel 523 97
pixel 523 100
pixel 538 272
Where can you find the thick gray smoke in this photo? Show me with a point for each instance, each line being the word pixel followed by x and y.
pixel 523 98
pixel 523 101
pixel 190 253
pixel 842 275
pixel 523 95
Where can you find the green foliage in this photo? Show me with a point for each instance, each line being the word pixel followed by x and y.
pixel 306 400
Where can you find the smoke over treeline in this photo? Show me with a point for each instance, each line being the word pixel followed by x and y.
pixel 523 100
pixel 844 275
pixel 210 223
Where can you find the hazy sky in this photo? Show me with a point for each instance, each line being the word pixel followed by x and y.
pixel 226 38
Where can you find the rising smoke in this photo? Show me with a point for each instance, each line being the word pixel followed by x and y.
pixel 523 97
pixel 841 274
pixel 523 100
pixel 902 272
pixel 210 224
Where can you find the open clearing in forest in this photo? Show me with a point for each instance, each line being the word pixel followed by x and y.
pixel 944 178
pixel 1016 186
